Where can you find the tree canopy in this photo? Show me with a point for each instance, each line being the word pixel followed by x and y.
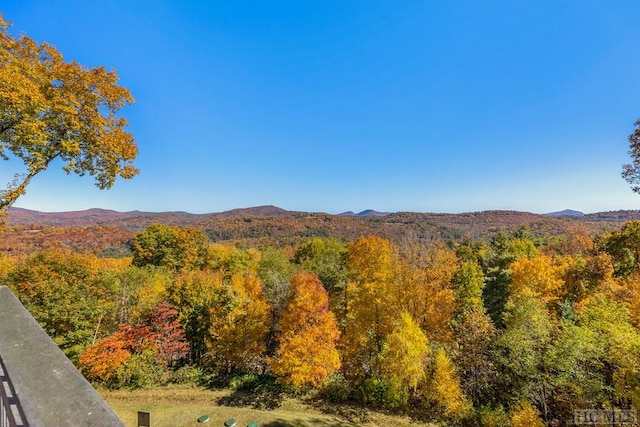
pixel 631 171
pixel 410 328
pixel 54 109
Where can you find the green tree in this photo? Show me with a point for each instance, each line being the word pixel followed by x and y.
pixel 468 282
pixel 275 272
pixel 575 383
pixel 624 247
pixel 56 286
pixel 127 293
pixel 193 293
pixel 327 259
pixel 521 351
pixel 506 247
pixel 631 171
pixel 167 246
pixel 617 356
pixel 53 109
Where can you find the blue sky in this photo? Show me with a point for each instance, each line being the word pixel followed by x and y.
pixel 427 106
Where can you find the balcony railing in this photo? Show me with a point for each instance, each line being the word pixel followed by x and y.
pixel 11 414
pixel 40 386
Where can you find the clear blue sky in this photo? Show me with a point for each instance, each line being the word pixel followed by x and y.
pixel 428 106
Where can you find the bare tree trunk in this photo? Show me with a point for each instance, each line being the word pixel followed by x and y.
pixel 16 188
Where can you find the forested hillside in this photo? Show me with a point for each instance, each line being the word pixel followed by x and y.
pixel 518 319
pixel 107 232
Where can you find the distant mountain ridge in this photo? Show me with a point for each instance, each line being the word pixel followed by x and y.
pixel 566 212
pixel 95 216
pixel 368 212
pixel 266 211
pixel 101 216
pixel 107 216
pixel 108 232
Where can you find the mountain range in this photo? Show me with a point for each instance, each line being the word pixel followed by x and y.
pixel 107 216
pixel 107 231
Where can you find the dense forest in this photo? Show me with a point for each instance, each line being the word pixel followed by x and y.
pixel 107 233
pixel 516 327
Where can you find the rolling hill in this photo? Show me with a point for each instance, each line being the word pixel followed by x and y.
pixel 108 232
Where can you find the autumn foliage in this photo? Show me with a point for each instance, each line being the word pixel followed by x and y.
pixel 307 353
pixel 510 331
pixel 54 109
pixel 100 361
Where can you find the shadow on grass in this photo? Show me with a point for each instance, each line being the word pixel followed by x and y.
pixel 249 391
pixel 353 413
pixel 256 399
pixel 358 413
pixel 306 423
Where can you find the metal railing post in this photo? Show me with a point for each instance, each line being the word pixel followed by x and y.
pixel 10 411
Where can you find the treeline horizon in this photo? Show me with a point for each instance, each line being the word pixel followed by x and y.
pixel 110 235
pixel 516 329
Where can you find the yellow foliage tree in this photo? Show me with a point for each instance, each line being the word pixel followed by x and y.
pixel 239 325
pixel 446 390
pixel 625 290
pixel 307 354
pixel 542 275
pixel 231 260
pixel 632 300
pixel 6 264
pixel 587 275
pixel 525 415
pixel 372 305
pixel 404 358
pixel 149 292
pixel 426 291
pixel 53 109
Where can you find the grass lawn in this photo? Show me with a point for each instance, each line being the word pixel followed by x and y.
pixel 176 407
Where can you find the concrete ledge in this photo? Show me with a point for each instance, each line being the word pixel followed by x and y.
pixel 51 391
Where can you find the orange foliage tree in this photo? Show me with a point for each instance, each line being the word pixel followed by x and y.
pixel 100 361
pixel 307 353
